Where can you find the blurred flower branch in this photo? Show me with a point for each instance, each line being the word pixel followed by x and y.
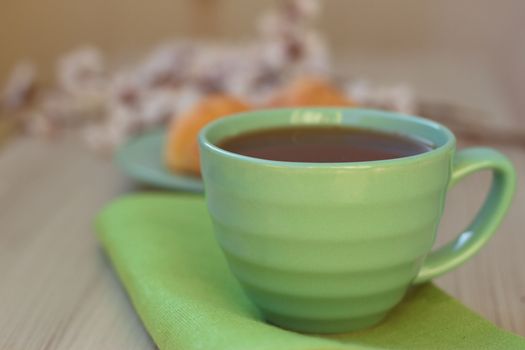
pixel 111 103
pixel 465 122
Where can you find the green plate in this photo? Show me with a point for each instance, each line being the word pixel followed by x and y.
pixel 142 159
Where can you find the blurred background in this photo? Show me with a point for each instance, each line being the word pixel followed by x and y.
pixel 488 30
pixel 460 61
pixel 482 33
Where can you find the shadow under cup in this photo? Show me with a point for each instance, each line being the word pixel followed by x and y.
pixel 326 247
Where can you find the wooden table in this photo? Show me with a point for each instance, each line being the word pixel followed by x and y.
pixel 58 291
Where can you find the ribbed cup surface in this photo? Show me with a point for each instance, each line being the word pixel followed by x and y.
pixel 330 248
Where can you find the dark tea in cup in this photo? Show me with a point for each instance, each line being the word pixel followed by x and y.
pixel 324 144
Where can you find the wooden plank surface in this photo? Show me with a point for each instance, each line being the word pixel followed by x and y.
pixel 58 291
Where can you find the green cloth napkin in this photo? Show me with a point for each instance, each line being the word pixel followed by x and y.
pixel 163 249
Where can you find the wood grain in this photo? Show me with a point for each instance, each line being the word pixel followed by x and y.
pixel 58 291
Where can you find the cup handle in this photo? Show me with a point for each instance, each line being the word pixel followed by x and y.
pixel 489 217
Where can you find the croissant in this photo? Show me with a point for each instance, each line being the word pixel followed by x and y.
pixel 182 147
pixel 310 91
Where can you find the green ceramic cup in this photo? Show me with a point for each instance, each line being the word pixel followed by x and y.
pixel 332 247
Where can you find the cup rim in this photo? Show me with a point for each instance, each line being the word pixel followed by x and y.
pixel 445 147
